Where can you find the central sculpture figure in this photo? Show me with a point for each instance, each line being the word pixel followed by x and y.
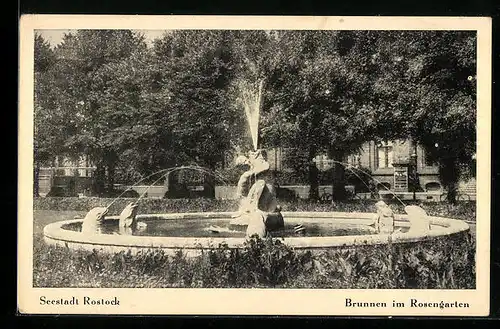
pixel 259 209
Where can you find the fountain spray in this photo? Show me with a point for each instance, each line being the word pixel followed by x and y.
pixel 251 100
pixel 350 168
pixel 168 171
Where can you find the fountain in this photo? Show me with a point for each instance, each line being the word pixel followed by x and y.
pixel 194 232
pixel 258 214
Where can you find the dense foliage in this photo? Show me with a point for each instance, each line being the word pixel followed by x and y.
pixel 447 263
pixel 465 210
pixel 266 264
pixel 133 109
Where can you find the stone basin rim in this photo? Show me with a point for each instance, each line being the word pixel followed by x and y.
pixel 54 233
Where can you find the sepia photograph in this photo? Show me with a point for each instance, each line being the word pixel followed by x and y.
pixel 342 162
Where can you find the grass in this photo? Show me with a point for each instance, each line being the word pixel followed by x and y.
pixel 447 263
pixel 45 217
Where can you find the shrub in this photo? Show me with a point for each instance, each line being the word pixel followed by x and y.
pixel 359 177
pixel 284 194
pixel 448 263
pixel 465 210
pixel 231 175
pixel 61 191
pixel 115 193
pixel 146 205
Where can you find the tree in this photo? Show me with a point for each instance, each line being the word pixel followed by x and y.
pixel 139 110
pixel 190 101
pixel 451 141
pixel 325 77
pixel 123 84
pixel 426 91
pixel 85 62
pixel 47 138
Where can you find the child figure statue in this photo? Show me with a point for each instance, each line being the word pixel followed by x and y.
pixel 384 219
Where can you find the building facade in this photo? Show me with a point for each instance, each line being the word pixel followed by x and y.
pixel 70 176
pixel 393 166
pixel 389 164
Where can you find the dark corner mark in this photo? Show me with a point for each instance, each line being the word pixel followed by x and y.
pixel 270 7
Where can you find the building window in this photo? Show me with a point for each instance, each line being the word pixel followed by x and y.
pixel 321 161
pixel 385 155
pixel 426 160
pixel 355 160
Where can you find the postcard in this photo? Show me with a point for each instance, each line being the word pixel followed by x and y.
pixel 254 165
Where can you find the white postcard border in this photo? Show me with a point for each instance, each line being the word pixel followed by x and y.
pixel 252 301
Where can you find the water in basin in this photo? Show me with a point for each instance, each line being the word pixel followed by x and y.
pixel 222 228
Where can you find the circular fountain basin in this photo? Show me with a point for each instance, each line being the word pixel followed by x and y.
pixel 194 232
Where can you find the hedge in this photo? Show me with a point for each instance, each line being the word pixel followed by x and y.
pixel 436 264
pixel 465 210
pixel 146 205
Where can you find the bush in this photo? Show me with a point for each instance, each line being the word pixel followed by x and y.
pixel 447 263
pixel 231 175
pixel 290 178
pixel 465 210
pixel 146 205
pixel 115 193
pixel 284 194
pixel 360 178
pixel 182 191
pixel 443 264
pixel 61 191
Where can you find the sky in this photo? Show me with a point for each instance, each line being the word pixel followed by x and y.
pixel 54 37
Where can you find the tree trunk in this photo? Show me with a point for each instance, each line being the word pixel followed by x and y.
pixel 172 183
pixel 338 184
pixel 36 182
pixel 449 175
pixel 209 182
pixel 110 160
pixel 99 179
pixel 209 186
pixel 111 177
pixel 313 176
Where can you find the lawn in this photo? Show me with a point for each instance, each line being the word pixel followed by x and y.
pixel 442 264
pixel 45 217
